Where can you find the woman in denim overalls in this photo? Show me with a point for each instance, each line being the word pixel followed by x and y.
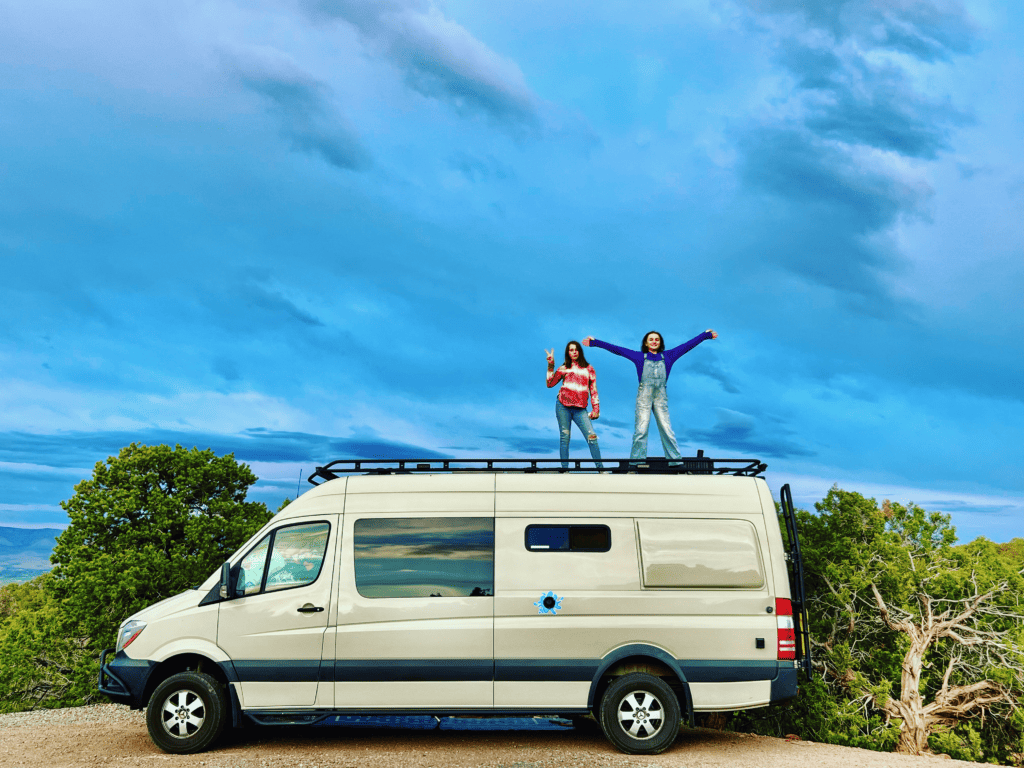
pixel 653 365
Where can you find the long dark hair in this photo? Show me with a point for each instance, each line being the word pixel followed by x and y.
pixel 581 361
pixel 643 344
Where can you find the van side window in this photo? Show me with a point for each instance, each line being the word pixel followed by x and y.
pixel 568 538
pixel 696 554
pixel 297 556
pixel 424 557
pixel 292 556
pixel 250 575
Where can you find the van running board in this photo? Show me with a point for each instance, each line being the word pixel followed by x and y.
pixel 692 465
pixel 287 718
pixel 363 718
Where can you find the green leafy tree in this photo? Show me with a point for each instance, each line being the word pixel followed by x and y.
pixel 39 664
pixel 151 522
pixel 1013 552
pixel 917 641
pixel 914 629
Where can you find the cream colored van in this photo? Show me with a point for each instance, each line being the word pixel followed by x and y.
pixel 640 596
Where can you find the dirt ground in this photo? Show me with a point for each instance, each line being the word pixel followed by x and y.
pixel 62 738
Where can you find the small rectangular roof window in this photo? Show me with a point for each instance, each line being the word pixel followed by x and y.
pixel 568 538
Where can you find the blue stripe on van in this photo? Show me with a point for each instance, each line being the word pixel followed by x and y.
pixel 413 670
pixel 277 671
pixel 519 670
pixel 728 671
pixel 503 670
pixel 569 670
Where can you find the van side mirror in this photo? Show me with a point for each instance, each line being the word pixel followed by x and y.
pixel 226 591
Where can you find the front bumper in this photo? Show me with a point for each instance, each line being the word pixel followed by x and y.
pixel 124 679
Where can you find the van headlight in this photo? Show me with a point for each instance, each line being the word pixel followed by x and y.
pixel 128 632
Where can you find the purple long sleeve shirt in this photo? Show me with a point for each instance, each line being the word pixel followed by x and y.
pixel 637 357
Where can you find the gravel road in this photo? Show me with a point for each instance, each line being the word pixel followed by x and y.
pixel 113 735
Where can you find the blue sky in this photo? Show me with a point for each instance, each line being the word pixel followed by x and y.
pixel 316 229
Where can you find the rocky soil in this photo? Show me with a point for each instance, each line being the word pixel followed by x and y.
pixel 113 735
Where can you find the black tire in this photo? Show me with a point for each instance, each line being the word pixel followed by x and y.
pixel 640 714
pixel 186 713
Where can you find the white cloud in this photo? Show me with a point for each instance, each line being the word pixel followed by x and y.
pixel 440 58
pixel 38 408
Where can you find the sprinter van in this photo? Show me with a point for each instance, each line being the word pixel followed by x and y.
pixel 641 595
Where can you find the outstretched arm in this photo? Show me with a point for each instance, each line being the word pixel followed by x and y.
pixel 629 354
pixel 676 352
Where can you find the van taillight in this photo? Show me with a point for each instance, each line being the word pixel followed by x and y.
pixel 787 630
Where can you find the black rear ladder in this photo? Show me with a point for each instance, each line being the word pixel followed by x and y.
pixel 795 566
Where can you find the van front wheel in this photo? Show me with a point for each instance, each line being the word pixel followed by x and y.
pixel 640 714
pixel 186 713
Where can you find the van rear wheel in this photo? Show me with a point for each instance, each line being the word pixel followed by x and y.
pixel 640 714
pixel 186 713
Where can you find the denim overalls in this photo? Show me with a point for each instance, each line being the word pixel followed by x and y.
pixel 652 396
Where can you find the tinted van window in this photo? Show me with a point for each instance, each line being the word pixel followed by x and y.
pixel 568 538
pixel 424 557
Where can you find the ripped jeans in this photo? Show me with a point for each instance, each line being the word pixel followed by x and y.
pixel 566 416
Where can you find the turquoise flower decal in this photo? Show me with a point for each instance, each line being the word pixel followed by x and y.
pixel 549 603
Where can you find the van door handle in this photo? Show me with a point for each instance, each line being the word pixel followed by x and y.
pixel 310 608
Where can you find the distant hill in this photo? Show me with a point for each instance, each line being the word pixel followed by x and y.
pixel 25 552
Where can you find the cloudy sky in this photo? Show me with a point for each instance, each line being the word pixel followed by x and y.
pixel 313 229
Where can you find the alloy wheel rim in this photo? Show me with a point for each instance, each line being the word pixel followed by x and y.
pixel 641 715
pixel 183 714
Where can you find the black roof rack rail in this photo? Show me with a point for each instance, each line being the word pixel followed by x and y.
pixel 693 465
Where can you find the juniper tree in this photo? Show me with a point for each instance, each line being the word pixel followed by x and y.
pixel 151 522
pixel 914 628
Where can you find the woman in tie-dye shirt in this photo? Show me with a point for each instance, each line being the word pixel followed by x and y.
pixel 579 381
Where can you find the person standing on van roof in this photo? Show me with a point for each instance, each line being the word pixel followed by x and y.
pixel 578 381
pixel 653 365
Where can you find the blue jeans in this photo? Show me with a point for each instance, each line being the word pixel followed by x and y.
pixel 565 418
pixel 652 396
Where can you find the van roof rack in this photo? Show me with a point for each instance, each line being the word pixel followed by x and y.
pixel 693 465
